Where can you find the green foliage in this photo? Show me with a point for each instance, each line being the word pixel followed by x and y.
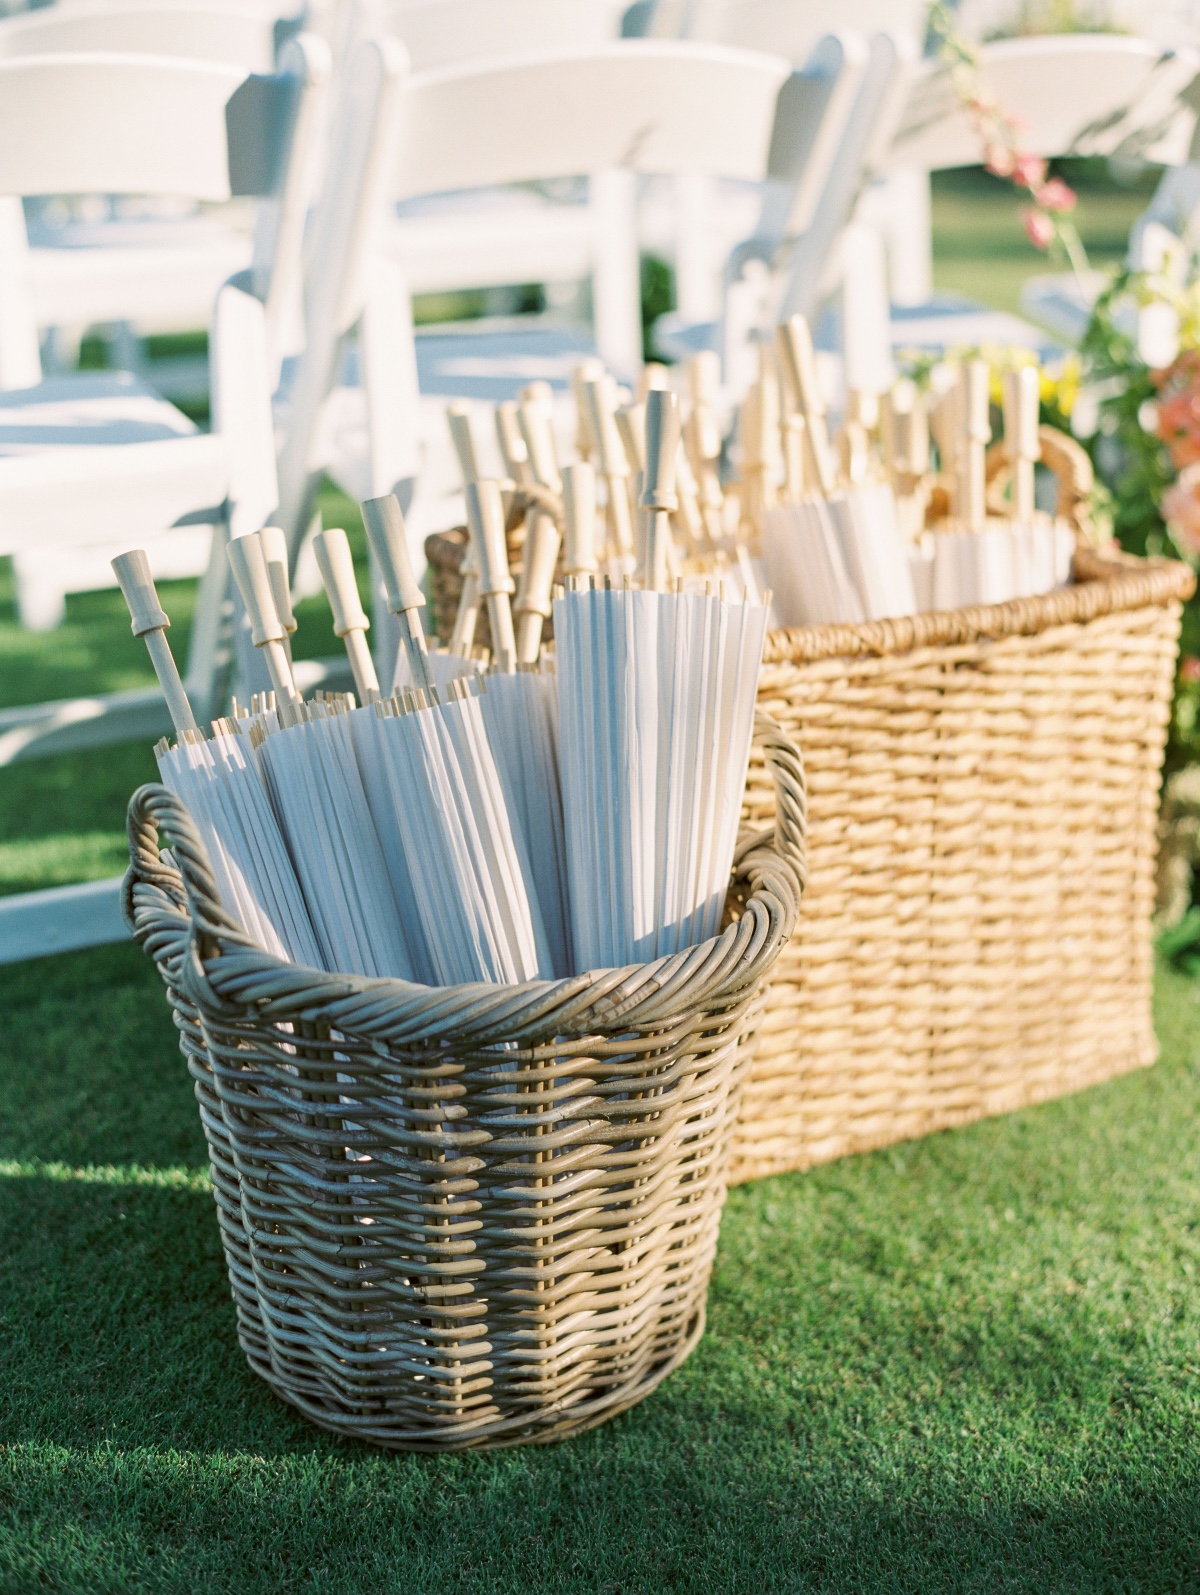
pixel 658 296
pixel 470 304
pixel 1133 466
pixel 1133 460
pixel 1181 943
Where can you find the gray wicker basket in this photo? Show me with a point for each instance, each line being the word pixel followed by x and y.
pixel 474 1215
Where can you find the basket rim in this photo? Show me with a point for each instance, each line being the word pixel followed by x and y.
pixel 172 907
pixel 1104 584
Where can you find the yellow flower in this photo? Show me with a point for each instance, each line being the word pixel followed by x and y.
pixel 1061 386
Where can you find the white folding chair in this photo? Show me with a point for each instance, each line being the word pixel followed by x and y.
pixel 1164 239
pixel 446 33
pixel 94 461
pixel 233 32
pixel 635 107
pixel 781 26
pixel 1074 94
pixel 708 220
pixel 812 267
pixel 132 265
pixel 508 235
pixel 796 259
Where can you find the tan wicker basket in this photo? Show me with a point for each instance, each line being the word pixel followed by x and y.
pixel 983 794
pixel 475 1215
pixel 444 552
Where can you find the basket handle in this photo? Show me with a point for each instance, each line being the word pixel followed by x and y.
pixel 1067 459
pixel 788 838
pixel 156 818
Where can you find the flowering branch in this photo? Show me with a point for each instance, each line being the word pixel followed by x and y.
pixel 1000 138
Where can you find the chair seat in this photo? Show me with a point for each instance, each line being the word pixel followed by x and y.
pixel 161 275
pixel 1061 303
pixel 947 321
pixel 951 321
pixel 96 455
pixel 86 408
pixel 676 338
pixel 494 360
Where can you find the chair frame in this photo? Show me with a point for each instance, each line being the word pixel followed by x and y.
pixel 261 118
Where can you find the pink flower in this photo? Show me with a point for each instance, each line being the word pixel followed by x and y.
pixel 1178 425
pixel 1179 404
pixel 1189 669
pixel 1181 509
pixel 1039 229
pixel 1055 195
pixel 999 160
pixel 1029 171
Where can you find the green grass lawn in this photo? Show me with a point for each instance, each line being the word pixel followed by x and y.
pixel 979 244
pixel 966 1364
pixel 63 819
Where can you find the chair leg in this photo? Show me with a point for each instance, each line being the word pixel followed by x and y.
pixel 389 367
pixel 20 362
pixel 241 407
pixel 126 352
pixel 61 347
pixel 866 316
pixel 745 320
pixel 41 592
pixel 616 288
pixel 697 273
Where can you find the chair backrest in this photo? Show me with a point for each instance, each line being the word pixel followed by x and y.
pixel 878 105
pixel 638 106
pixel 362 142
pixel 641 106
pixel 782 27
pixel 138 124
pixel 149 125
pixel 813 111
pixel 1074 94
pixel 237 35
pixel 644 107
pixel 786 28
pixel 440 33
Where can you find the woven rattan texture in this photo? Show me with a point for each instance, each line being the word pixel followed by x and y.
pixel 983 794
pixel 476 1215
pixel 444 551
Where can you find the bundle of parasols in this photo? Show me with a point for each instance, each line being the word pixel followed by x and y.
pixel 911 506
pixel 869 530
pixel 567 797
pixel 531 814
